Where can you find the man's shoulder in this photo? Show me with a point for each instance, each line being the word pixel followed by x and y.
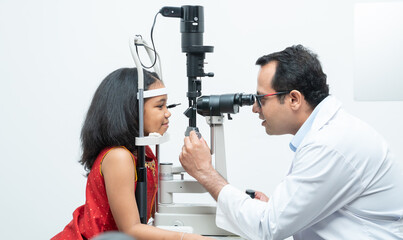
pixel 347 135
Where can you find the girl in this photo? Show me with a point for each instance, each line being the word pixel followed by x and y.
pixel 109 154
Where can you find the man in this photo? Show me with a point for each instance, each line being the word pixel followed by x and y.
pixel 344 183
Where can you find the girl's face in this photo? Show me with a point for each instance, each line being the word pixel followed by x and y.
pixel 156 113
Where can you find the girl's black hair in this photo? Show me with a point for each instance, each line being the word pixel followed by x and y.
pixel 113 117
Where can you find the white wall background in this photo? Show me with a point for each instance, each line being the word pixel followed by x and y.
pixel 54 53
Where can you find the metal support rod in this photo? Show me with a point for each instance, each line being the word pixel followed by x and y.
pixel 141 188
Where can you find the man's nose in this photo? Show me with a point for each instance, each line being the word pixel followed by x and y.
pixel 255 108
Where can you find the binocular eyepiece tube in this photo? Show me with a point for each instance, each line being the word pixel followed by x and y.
pixel 215 105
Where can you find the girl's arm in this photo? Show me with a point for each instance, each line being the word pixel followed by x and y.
pixel 119 173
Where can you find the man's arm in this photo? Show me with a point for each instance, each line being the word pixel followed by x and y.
pixel 196 160
pixel 321 183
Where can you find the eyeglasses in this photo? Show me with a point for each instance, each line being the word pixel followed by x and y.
pixel 259 97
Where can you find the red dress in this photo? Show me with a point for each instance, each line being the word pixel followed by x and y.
pixel 95 216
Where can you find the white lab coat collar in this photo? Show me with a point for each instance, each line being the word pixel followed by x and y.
pixel 329 107
pixel 322 113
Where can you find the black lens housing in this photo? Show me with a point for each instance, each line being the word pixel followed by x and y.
pixel 216 105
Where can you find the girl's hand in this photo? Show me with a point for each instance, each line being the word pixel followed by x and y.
pixel 191 236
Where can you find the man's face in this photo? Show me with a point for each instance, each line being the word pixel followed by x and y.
pixel 275 115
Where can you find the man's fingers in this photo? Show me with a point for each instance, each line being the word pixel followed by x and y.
pixel 184 152
pixel 187 142
pixel 193 137
pixel 204 141
pixel 181 158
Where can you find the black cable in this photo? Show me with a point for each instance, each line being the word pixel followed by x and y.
pixel 152 41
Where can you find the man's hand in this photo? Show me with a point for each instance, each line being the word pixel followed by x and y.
pixel 196 160
pixel 195 156
pixel 261 196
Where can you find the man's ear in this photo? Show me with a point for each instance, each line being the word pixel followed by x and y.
pixel 295 99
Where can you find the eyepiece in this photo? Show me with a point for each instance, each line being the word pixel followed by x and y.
pixel 244 99
pixel 215 105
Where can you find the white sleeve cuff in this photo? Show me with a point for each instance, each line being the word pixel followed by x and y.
pixel 228 201
pixel 223 218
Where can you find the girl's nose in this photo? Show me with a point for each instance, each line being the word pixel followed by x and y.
pixel 167 114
